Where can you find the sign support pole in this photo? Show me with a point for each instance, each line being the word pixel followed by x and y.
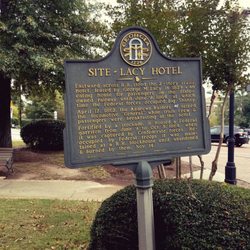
pixel 145 212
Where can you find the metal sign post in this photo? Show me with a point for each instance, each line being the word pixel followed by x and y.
pixel 131 108
pixel 134 104
pixel 145 212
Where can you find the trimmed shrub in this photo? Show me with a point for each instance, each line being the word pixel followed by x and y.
pixel 44 134
pixel 188 215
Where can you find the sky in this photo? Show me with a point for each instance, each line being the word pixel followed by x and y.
pixel 245 3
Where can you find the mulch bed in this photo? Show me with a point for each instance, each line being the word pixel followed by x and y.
pixel 114 175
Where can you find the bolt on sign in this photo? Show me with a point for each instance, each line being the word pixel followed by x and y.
pixel 134 104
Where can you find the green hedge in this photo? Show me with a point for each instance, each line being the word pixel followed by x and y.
pixel 188 215
pixel 43 134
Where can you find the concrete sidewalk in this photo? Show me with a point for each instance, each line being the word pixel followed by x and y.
pixel 196 175
pixel 69 190
pixel 56 189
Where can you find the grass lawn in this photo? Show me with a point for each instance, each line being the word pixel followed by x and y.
pixel 45 224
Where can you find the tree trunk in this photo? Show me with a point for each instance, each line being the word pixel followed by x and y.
pixel 215 161
pixel 178 167
pixel 213 97
pixel 5 121
pixel 20 108
pixel 202 166
pixel 161 171
pixel 191 167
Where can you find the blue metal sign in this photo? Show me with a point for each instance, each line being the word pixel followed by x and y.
pixel 135 104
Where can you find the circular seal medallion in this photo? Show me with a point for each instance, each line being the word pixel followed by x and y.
pixel 135 48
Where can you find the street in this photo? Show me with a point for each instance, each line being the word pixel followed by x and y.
pixel 241 155
pixel 15 134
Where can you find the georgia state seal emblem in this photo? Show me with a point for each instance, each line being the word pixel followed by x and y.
pixel 135 48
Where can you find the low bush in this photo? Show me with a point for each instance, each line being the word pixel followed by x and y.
pixel 44 134
pixel 188 215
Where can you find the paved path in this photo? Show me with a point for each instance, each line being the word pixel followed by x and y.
pixel 88 190
pixel 56 189
pixel 242 161
pixel 15 134
pixel 66 190
pixel 196 175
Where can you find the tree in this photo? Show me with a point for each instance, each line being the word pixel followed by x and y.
pixel 40 108
pixel 159 17
pixel 242 110
pixel 36 36
pixel 246 112
pixel 192 28
pixel 59 105
pixel 181 28
pixel 44 105
pixel 230 59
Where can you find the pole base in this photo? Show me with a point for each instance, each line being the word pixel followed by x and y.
pixel 230 173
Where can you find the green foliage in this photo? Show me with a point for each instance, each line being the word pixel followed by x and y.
pixel 115 225
pixel 40 109
pixel 230 55
pixel 44 134
pixel 182 29
pixel 14 109
pixel 25 122
pixel 188 215
pixel 37 36
pixel 43 104
pixel 165 26
pixel 217 32
pixel 59 105
pixel 214 118
pixel 242 111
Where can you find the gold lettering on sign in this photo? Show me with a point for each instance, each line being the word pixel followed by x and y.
pixel 99 72
pixel 166 71
pixel 133 71
pixel 135 117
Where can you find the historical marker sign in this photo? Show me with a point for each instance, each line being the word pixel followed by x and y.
pixel 134 104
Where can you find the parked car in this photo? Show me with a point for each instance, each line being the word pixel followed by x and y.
pixel 248 131
pixel 240 136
